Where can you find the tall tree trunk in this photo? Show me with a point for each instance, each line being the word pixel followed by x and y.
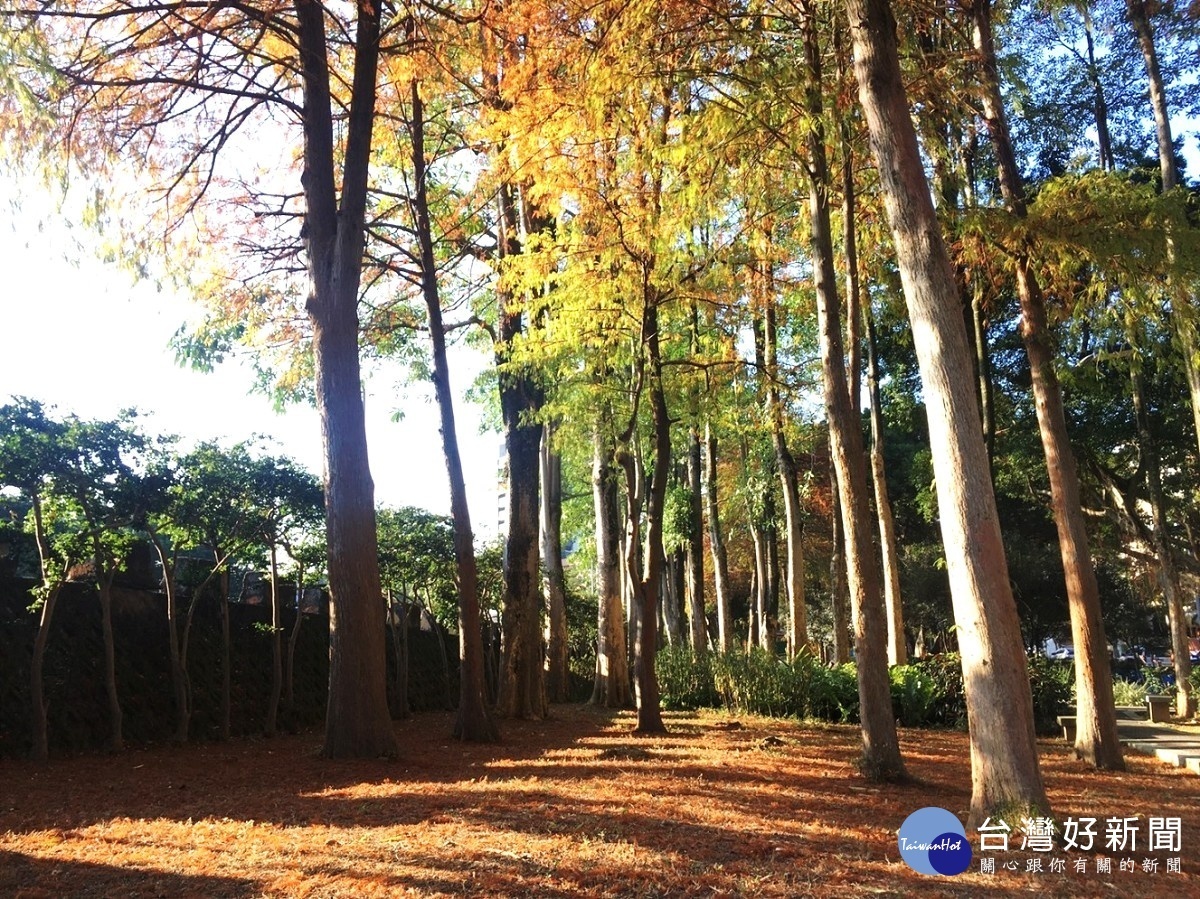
pixel 1183 318
pixel 1004 762
pixel 276 648
pixel 104 582
pixel 178 675
pixel 357 722
pixel 1168 581
pixel 983 373
pixel 289 679
pixel 771 621
pixel 554 582
pixel 400 648
pixel 226 723
pixel 837 577
pixel 758 589
pixel 797 634
pixel 50 590
pixel 697 622
pixel 670 595
pixel 611 687
pixel 522 675
pixel 1099 103
pixel 888 549
pixel 881 745
pixel 41 741
pixel 646 582
pixel 474 723
pixel 1096 737
pixel 716 542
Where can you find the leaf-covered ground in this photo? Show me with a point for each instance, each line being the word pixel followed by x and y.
pixel 577 805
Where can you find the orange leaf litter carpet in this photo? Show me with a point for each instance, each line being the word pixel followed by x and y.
pixel 724 805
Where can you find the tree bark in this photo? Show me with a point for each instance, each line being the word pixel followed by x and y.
pixel 611 687
pixel 669 596
pixel 104 581
pixel 697 621
pixel 522 675
pixel 716 541
pixel 178 675
pixel 1096 738
pixel 50 590
pixel 797 633
pixel 1168 581
pixel 881 759
pixel 357 722
pixel 271 727
pixel 889 554
pixel 1183 318
pixel 646 582
pixel 226 724
pixel 289 681
pixel 1099 103
pixel 837 577
pixel 1004 762
pixel 474 723
pixel 558 671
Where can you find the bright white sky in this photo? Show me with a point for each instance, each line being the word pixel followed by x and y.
pixel 80 335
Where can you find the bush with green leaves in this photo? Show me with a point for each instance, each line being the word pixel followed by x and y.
pixel 950 707
pixel 833 693
pixel 1128 693
pixel 685 679
pixel 1051 682
pixel 758 683
pixel 915 696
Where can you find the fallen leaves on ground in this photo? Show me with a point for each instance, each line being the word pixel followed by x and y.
pixel 576 805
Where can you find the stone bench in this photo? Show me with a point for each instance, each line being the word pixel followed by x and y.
pixel 1067 723
pixel 1159 708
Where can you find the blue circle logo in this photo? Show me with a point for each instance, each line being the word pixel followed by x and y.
pixel 933 841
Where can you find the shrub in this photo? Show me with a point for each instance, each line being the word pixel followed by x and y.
pixel 760 683
pixel 1126 693
pixel 950 707
pixel 1051 682
pixel 685 680
pixel 834 693
pixel 915 696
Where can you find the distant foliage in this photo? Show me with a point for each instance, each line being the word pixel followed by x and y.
pixel 943 703
pixel 927 693
pixel 758 683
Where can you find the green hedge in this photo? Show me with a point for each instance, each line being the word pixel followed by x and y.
pixel 758 683
pixel 927 693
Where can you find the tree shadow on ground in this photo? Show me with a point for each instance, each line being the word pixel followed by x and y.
pixel 29 877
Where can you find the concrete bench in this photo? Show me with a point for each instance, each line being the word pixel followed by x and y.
pixel 1067 723
pixel 1159 708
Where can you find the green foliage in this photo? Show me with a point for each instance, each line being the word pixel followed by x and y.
pixel 915 695
pixel 942 702
pixel 686 680
pixel 1129 693
pixel 945 673
pixel 416 559
pixel 1051 682
pixel 757 683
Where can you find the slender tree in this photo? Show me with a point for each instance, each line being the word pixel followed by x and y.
pixel 1004 763
pixel 1096 728
pixel 474 722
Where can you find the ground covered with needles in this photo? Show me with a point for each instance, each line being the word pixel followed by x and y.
pixel 574 806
